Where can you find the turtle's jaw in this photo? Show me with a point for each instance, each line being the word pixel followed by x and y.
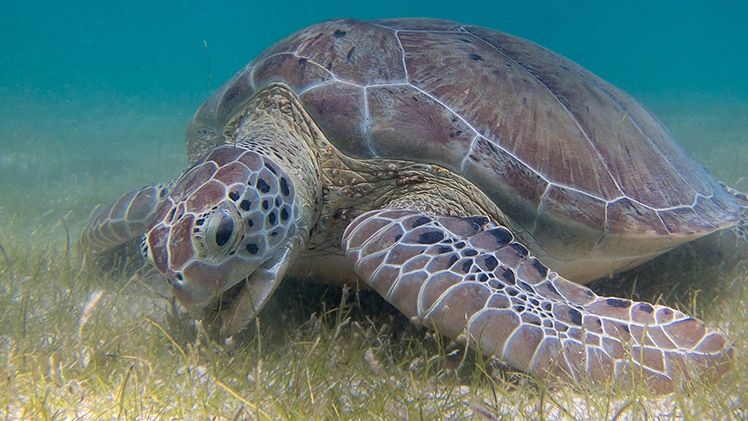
pixel 241 303
pixel 232 309
pixel 201 286
pixel 223 295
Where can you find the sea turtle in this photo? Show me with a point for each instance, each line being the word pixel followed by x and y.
pixel 461 172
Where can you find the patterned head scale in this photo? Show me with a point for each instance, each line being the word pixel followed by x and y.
pixel 226 217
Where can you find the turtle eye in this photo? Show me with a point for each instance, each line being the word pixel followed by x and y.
pixel 225 228
pixel 217 233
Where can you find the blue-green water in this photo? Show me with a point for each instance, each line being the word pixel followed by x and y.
pixel 142 48
pixel 94 97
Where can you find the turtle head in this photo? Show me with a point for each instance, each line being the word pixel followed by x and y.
pixel 226 235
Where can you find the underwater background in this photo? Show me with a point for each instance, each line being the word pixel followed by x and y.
pixel 95 98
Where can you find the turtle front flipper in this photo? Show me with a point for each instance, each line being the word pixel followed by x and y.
pixel 124 220
pixel 468 279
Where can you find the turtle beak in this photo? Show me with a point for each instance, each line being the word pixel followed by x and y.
pixel 251 295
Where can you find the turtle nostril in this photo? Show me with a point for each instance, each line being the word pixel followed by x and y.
pixel 174 277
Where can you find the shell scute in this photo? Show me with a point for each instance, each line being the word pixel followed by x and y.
pixel 402 119
pixel 297 72
pixel 346 48
pixel 506 178
pixel 338 109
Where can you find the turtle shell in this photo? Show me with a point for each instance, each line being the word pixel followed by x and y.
pixel 576 164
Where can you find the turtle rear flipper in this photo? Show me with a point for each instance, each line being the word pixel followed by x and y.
pixel 122 222
pixel 468 279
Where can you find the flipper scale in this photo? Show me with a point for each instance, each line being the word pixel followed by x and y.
pixel 461 277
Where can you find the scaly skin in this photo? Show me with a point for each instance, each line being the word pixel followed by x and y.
pixel 234 223
pixel 468 278
pixel 123 220
pixel 234 213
